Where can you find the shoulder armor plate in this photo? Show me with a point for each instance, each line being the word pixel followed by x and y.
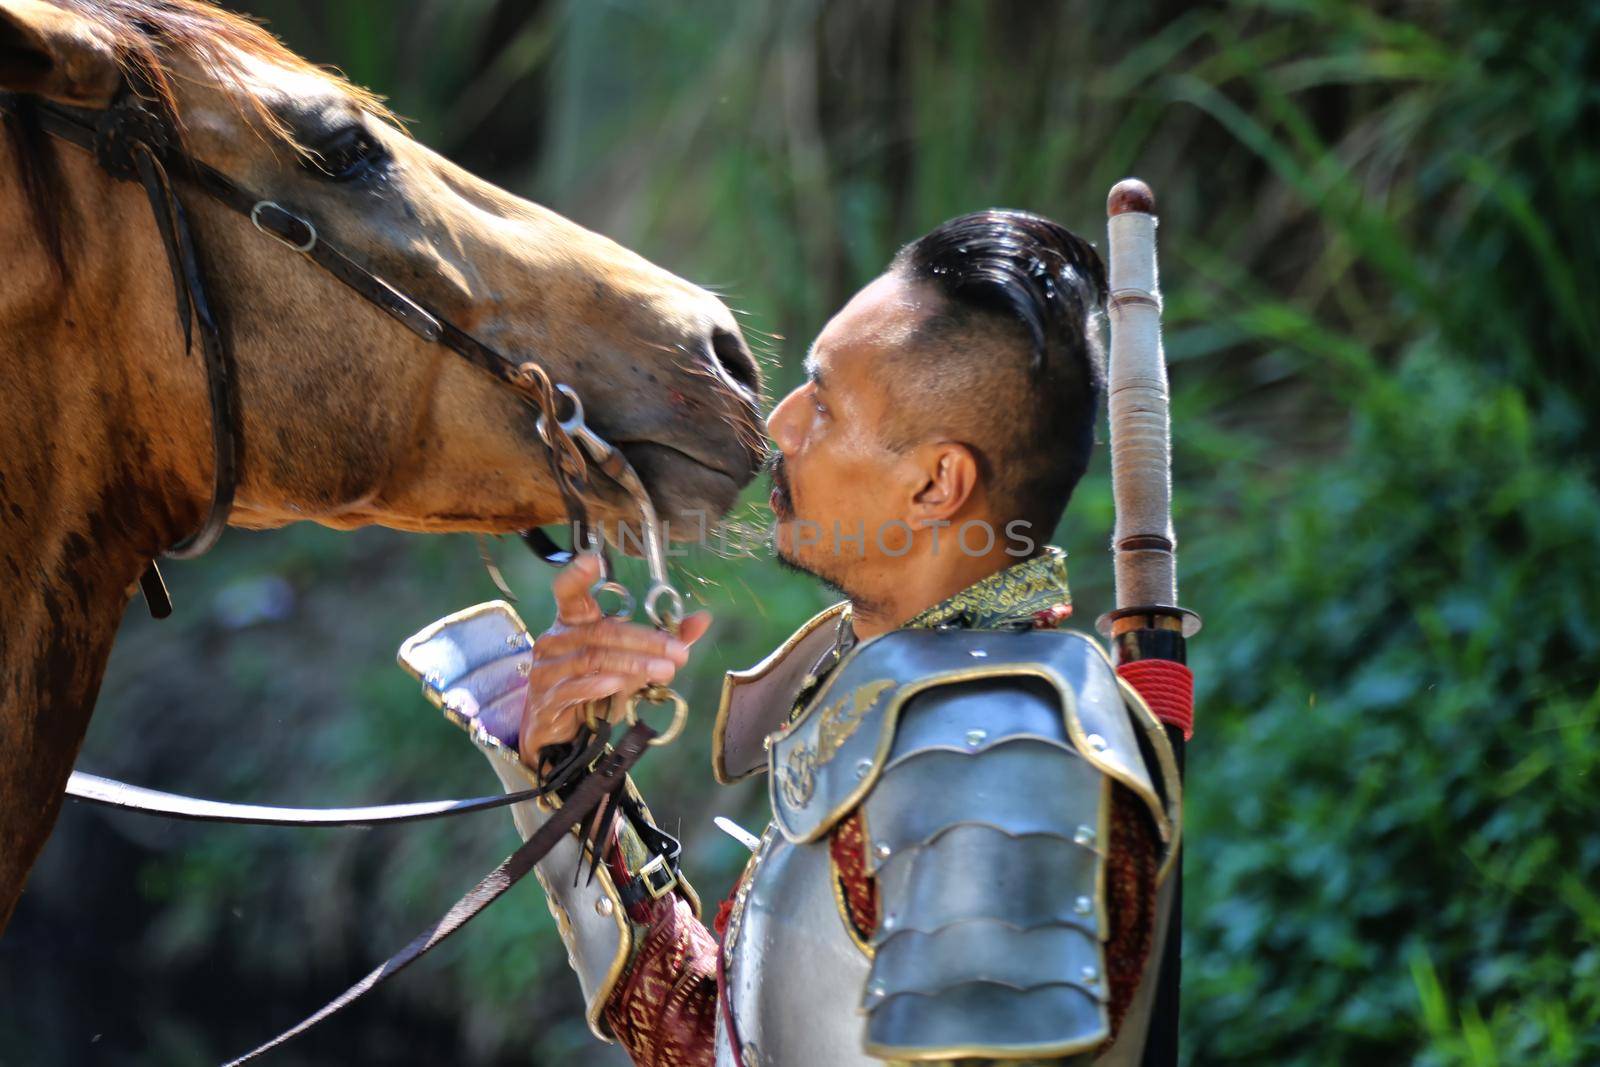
pixel 757 701
pixel 975 686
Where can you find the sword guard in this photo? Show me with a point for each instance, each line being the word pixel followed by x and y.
pixel 1154 616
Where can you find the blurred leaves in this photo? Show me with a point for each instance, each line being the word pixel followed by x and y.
pixel 1380 254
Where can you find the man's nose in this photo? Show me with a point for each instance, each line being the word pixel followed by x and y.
pixel 782 426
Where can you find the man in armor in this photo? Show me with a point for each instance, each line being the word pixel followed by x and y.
pixel 974 818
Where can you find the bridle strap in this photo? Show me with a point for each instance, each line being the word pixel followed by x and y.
pixel 120 796
pixel 130 141
pixel 606 781
pixel 133 142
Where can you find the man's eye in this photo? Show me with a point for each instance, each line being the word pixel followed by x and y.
pixel 348 155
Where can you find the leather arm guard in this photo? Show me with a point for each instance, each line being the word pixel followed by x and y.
pixel 474 666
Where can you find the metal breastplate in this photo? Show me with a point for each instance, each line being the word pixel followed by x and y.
pixel 794 975
pixel 963 751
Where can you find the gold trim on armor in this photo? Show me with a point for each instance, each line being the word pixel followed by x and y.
pixel 730 936
pixel 732 679
pixel 838 722
pixel 986 1052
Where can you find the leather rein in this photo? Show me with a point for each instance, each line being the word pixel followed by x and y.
pixel 135 139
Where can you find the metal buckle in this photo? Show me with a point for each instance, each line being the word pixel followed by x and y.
pixel 255 219
pixel 658 878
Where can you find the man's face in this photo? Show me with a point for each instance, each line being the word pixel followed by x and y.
pixel 840 493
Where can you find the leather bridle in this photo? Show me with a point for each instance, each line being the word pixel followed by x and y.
pixel 136 139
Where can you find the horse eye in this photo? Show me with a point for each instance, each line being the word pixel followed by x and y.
pixel 347 155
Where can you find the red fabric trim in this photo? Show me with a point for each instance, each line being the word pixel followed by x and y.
pixel 1167 686
pixel 1051 617
pixel 848 846
pixel 665 1011
pixel 1132 858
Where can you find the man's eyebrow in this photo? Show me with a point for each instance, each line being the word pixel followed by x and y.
pixel 814 372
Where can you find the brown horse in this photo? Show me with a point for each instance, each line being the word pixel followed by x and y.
pixel 345 416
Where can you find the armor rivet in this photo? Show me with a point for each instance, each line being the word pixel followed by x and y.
pixel 1096 742
pixel 1091 976
pixel 603 906
pixel 516 640
pixel 862 767
pixel 875 990
pixel 976 737
pixel 888 922
pixel 978 653
pixel 1083 905
pixel 524 668
pixel 882 850
pixel 1084 836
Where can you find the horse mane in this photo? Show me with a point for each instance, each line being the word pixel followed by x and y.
pixel 148 35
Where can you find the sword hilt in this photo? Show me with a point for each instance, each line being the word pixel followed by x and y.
pixel 1143 545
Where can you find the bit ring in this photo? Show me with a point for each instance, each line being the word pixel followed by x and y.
pixel 624 605
pixel 659 694
pixel 674 614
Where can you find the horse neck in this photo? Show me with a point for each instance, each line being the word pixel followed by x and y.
pixel 86 497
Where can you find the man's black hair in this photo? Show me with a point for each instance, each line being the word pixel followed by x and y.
pixel 1012 364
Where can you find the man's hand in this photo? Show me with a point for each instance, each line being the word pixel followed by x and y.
pixel 585 656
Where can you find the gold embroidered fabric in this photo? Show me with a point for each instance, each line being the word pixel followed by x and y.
pixel 1011 597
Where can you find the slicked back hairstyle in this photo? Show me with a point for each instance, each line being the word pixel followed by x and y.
pixel 1012 364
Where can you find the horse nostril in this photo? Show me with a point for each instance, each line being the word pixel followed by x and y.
pixel 729 350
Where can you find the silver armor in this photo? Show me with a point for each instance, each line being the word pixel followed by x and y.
pixel 474 666
pixel 982 763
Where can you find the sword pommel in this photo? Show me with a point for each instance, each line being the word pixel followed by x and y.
pixel 1130 194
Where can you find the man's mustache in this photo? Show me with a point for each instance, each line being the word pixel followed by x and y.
pixel 782 499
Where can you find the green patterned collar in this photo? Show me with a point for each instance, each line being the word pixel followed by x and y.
pixel 1031 593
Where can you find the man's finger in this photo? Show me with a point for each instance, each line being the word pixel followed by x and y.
pixel 562 712
pixel 592 659
pixel 694 627
pixel 574 604
pixel 616 634
pixel 584 688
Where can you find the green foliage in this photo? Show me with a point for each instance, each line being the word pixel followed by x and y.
pixel 1391 816
pixel 1379 255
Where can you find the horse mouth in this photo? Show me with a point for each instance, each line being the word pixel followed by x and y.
pixel 690 491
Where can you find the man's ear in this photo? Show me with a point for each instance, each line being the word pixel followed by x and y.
pixel 51 52
pixel 949 473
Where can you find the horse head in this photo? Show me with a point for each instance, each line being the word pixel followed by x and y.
pixel 344 416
